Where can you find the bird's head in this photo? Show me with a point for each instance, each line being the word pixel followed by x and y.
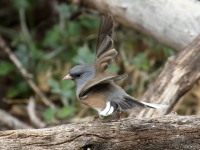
pixel 81 74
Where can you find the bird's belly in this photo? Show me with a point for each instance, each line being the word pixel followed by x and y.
pixel 95 100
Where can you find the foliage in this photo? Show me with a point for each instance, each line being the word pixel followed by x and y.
pixel 48 41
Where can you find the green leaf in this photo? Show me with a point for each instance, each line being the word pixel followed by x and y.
pixel 66 85
pixel 73 29
pixel 65 112
pixel 49 114
pixel 67 92
pixel 53 37
pixel 65 11
pixel 168 51
pixel 55 86
pixel 21 52
pixel 20 4
pixel 19 87
pixel 53 83
pixel 113 68
pixel 12 92
pixel 90 23
pixel 83 56
pixel 5 68
pixel 141 61
pixel 35 52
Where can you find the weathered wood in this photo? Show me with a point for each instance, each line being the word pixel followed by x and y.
pixel 179 75
pixel 170 132
pixel 11 121
pixel 172 22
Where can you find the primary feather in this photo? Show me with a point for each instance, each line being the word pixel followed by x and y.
pixel 104 51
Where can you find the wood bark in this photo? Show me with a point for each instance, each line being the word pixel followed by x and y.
pixel 174 23
pixel 170 132
pixel 179 75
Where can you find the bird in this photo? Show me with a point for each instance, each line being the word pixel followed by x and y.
pixel 95 87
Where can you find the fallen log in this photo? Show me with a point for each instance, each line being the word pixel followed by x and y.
pixel 167 132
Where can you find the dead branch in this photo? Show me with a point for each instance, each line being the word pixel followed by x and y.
pixel 24 72
pixel 12 122
pixel 31 109
pixel 179 75
pixel 168 132
pixel 173 23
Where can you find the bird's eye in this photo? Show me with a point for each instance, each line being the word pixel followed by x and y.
pixel 77 75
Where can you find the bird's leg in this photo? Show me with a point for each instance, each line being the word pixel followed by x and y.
pixel 101 117
pixel 119 114
pixel 98 118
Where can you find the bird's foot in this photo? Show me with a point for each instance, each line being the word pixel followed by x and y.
pixel 119 114
pixel 98 118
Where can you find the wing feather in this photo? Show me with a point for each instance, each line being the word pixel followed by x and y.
pixel 105 29
pixel 100 80
pixel 104 51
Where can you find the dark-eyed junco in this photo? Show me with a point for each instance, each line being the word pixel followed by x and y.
pixel 95 87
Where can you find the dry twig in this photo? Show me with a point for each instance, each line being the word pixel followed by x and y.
pixel 32 114
pixel 24 72
pixel 12 122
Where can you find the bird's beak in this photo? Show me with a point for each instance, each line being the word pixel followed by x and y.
pixel 67 77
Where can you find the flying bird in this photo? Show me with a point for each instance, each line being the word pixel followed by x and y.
pixel 97 88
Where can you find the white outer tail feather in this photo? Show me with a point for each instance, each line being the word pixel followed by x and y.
pixel 107 111
pixel 157 106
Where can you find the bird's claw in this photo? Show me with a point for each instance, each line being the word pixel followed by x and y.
pixel 98 118
pixel 119 114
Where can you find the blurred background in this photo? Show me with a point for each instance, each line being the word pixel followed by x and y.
pixel 50 37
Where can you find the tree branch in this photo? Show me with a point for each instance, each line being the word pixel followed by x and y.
pixel 174 23
pixel 179 75
pixel 31 109
pixel 24 73
pixel 168 132
pixel 12 122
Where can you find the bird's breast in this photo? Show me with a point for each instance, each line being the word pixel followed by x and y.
pixel 95 100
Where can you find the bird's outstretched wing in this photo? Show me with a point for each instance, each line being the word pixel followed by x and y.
pixel 104 51
pixel 101 79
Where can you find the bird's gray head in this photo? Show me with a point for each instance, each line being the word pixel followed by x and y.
pixel 81 74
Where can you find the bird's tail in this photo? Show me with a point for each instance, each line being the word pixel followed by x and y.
pixel 155 106
pixel 130 102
